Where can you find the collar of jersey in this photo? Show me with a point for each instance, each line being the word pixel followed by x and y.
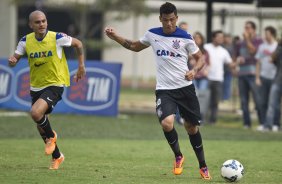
pixel 40 39
pixel 178 33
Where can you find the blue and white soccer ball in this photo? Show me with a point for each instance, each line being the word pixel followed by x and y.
pixel 232 170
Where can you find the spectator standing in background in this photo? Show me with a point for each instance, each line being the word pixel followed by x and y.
pixel 274 103
pixel 229 46
pixel 201 81
pixel 265 71
pixel 218 56
pixel 183 25
pixel 245 53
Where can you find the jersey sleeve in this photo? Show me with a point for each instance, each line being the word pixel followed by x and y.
pixel 192 47
pixel 63 40
pixel 145 39
pixel 21 47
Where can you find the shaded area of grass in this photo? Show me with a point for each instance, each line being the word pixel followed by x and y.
pixel 137 127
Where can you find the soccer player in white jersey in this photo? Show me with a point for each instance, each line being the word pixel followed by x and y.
pixel 49 75
pixel 174 87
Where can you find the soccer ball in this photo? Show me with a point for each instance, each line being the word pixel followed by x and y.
pixel 232 170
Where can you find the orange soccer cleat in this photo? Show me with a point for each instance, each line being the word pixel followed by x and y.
pixel 205 173
pixel 178 165
pixel 55 163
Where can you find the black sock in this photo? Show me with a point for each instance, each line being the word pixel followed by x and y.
pixel 197 144
pixel 172 139
pixel 56 153
pixel 45 125
pixel 42 133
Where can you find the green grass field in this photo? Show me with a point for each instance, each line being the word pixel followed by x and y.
pixel 132 149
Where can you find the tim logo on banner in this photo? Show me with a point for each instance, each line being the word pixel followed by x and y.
pixel 98 92
pixel 95 93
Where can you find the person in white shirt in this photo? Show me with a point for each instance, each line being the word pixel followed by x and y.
pixel 174 89
pixel 218 56
pixel 265 73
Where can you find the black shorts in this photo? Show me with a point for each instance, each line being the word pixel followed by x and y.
pixel 185 99
pixel 52 95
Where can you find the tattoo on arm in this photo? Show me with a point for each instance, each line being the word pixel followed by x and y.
pixel 127 44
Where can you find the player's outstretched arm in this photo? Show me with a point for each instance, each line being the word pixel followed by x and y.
pixel 135 46
pixel 13 60
pixel 80 54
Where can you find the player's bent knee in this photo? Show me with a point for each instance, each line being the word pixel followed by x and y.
pixel 191 129
pixel 167 127
pixel 36 114
pixel 167 123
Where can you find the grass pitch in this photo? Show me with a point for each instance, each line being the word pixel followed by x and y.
pixel 132 149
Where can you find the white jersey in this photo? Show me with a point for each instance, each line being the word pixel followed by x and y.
pixel 62 40
pixel 171 54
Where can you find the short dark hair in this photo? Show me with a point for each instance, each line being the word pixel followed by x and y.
pixel 253 25
pixel 272 31
pixel 168 8
pixel 215 33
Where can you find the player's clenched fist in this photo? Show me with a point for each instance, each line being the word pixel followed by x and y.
pixel 12 61
pixel 190 75
pixel 110 32
pixel 79 74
